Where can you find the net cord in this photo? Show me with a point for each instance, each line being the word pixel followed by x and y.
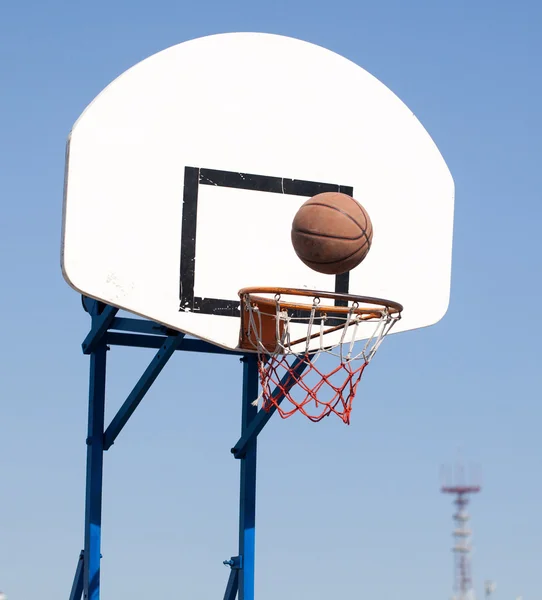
pixel 270 360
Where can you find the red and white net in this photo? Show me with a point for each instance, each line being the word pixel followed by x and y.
pixel 319 374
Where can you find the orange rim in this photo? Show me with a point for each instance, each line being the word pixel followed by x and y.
pixel 380 305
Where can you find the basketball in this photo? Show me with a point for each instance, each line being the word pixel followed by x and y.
pixel 332 233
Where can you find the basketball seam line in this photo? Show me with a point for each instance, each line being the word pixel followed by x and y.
pixel 337 209
pixel 366 226
pixel 369 239
pixel 333 237
pixel 338 260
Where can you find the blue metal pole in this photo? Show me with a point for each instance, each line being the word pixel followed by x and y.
pixel 93 506
pixel 247 503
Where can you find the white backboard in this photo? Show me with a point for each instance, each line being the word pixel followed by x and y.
pixel 184 174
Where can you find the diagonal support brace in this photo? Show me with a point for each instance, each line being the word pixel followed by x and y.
pixel 167 349
pixel 263 416
pixel 77 586
pixel 232 586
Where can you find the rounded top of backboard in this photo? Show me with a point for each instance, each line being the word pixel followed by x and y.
pixel 184 174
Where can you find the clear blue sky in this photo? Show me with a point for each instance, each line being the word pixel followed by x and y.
pixel 350 512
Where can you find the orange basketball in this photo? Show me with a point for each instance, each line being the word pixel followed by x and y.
pixel 332 233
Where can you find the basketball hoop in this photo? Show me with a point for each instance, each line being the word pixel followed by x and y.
pixel 292 335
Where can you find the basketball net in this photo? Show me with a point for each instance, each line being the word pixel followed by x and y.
pixel 298 371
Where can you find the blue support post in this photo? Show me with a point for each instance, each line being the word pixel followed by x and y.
pixel 247 502
pixel 147 334
pixel 93 505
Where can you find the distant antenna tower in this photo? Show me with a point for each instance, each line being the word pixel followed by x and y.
pixel 462 550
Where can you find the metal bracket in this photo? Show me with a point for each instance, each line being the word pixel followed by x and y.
pixel 235 562
pixel 100 325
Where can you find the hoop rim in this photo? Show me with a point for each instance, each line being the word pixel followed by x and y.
pixel 381 303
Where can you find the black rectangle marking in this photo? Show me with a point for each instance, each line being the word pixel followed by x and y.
pixel 188 238
pixel 266 183
pixel 193 178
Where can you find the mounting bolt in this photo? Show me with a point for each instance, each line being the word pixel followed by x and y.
pixel 234 562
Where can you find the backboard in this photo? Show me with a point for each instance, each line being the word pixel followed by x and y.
pixel 184 174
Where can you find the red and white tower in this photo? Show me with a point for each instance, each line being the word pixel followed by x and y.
pixel 463 586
